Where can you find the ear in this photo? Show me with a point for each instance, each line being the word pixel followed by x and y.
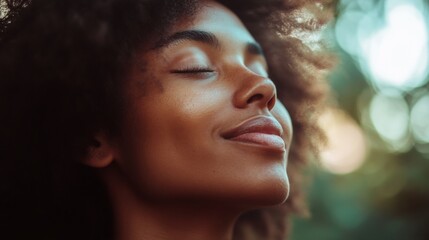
pixel 101 153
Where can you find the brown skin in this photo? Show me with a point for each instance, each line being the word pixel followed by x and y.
pixel 172 175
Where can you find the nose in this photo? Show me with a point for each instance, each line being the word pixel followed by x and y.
pixel 255 90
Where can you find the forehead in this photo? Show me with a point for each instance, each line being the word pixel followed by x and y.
pixel 216 18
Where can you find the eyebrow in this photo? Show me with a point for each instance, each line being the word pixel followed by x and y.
pixel 193 35
pixel 204 37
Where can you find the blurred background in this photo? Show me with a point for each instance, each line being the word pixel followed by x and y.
pixel 373 179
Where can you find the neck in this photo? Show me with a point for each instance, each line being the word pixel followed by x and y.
pixel 137 219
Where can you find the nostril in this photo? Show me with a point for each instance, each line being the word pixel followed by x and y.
pixel 255 98
pixel 271 103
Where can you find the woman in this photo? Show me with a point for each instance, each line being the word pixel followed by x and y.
pixel 134 119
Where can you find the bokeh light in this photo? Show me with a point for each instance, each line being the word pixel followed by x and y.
pixel 397 54
pixel 346 148
pixel 389 115
pixel 388 40
pixel 420 120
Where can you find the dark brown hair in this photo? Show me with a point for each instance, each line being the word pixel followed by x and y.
pixel 62 64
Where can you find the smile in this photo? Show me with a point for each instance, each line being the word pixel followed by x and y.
pixel 262 131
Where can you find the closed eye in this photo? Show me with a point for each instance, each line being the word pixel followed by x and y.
pixel 191 70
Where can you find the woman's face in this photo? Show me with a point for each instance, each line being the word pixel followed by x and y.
pixel 204 123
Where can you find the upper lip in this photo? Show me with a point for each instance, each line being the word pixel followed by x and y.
pixel 260 124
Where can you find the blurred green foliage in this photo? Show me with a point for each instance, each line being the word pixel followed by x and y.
pixel 387 198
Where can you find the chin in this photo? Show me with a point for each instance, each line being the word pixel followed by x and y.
pixel 275 187
pixel 275 193
pixel 270 192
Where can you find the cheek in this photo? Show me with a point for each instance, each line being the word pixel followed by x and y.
pixel 171 137
pixel 191 118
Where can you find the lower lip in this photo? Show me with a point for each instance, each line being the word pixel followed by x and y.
pixel 267 140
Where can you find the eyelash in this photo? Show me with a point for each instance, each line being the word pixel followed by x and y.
pixel 191 70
